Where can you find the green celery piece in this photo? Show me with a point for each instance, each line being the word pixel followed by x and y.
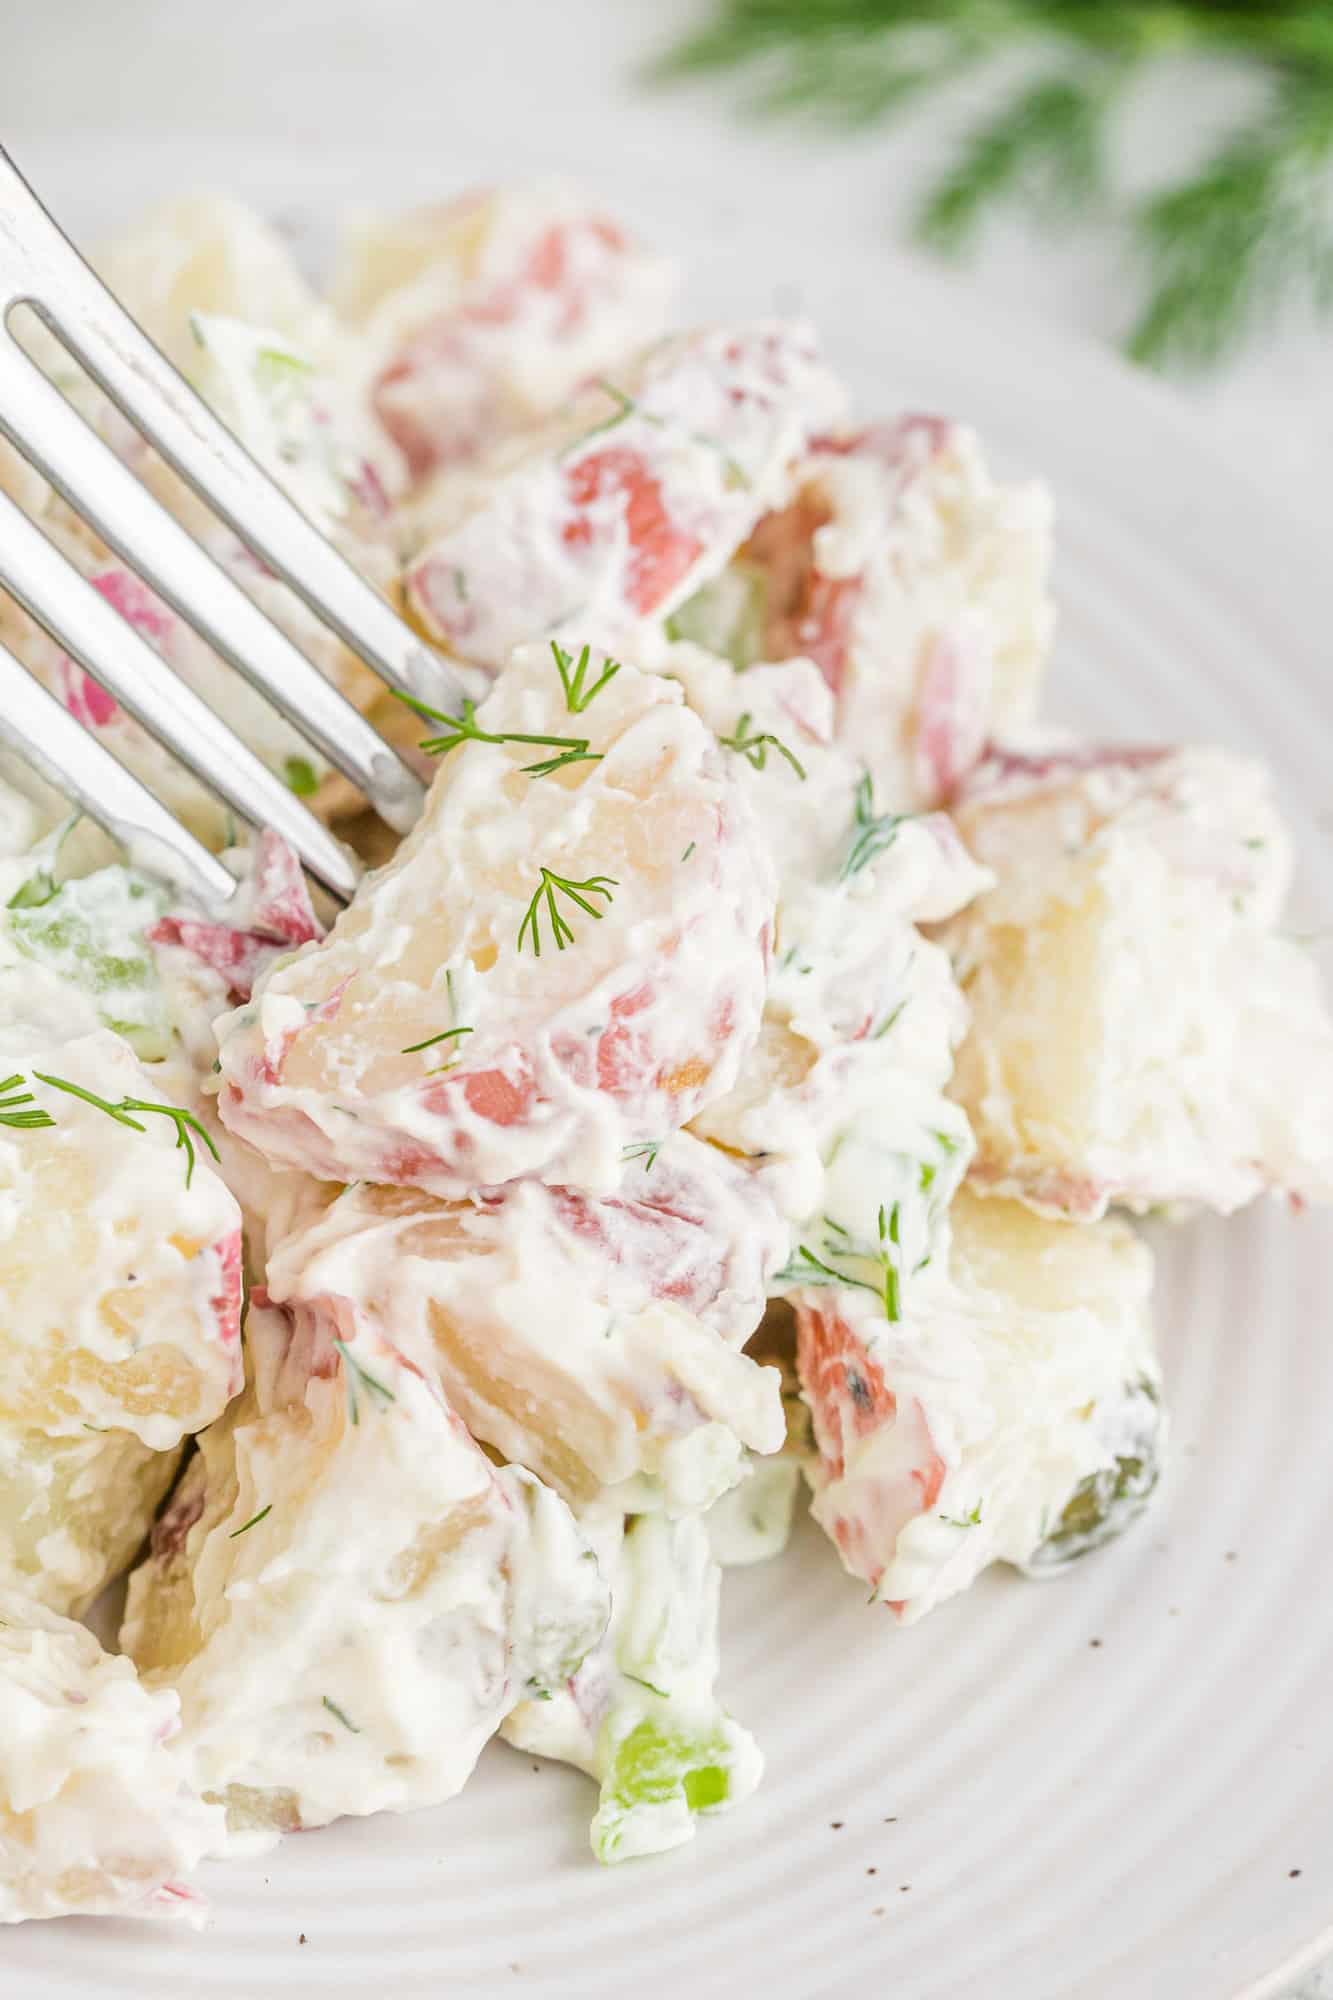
pixel 726 616
pixel 91 933
pixel 653 1765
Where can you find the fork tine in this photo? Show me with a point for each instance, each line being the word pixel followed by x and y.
pixel 80 620
pixel 34 724
pixel 150 392
pixel 50 432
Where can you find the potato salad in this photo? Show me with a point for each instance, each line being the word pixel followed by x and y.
pixel 735 1095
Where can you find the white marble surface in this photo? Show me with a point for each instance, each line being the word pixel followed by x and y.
pixel 367 84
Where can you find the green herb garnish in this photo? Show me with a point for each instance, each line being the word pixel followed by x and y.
pixel 578 892
pixel 647 1152
pixel 572 677
pixel 625 407
pixel 872 833
pixel 253 1522
pixel 302 777
pixel 755 747
pixel 334 1709
pixel 11 1115
pixel 972 1520
pixel 184 1121
pixel 431 1040
pixel 1239 236
pixel 357 1372
pixel 464 728
pixel 805 1268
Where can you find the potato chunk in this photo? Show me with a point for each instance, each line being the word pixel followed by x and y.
pixel 588 1340
pixel 346 1592
pixel 96 1818
pixel 1012 1415
pixel 1141 1031
pixel 618 511
pixel 74 1510
pixel 482 314
pixel 914 580
pixel 551 968
pixel 120 1282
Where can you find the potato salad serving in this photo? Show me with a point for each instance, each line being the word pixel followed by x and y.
pixel 737 1093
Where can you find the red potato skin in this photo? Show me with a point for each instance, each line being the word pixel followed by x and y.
pixel 850 1401
pixel 663 553
pixel 444 340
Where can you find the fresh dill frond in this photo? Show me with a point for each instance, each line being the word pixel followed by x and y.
pixel 573 678
pixel 12 1097
pixel 578 892
pixel 807 1269
pixel 841 1249
pixel 1245 238
pixel 253 1522
pixel 1232 245
pixel 444 1035
pixel 1046 144
pixel 357 1372
pixel 625 406
pixel 334 1709
pixel 754 747
pixel 972 1520
pixel 187 1125
pixel 465 728
pixel 872 832
pixel 647 1152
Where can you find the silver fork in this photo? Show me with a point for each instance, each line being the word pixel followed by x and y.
pixel 40 268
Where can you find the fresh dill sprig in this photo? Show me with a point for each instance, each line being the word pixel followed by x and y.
pixel 185 1121
pixel 1231 244
pixel 253 1522
pixel 805 1268
pixel 572 678
pixel 872 833
pixel 578 892
pixel 1045 144
pixel 464 728
pixel 755 747
pixel 10 1113
pixel 355 1372
pixel 890 1253
pixel 334 1709
pixel 647 1152
pixel 1248 236
pixel 972 1520
pixel 444 1035
pixel 625 406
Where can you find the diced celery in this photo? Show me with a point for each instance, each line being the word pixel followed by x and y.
pixel 727 616
pixel 91 933
pixel 657 1777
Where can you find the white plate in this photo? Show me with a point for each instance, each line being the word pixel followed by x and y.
pixel 1114 1785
